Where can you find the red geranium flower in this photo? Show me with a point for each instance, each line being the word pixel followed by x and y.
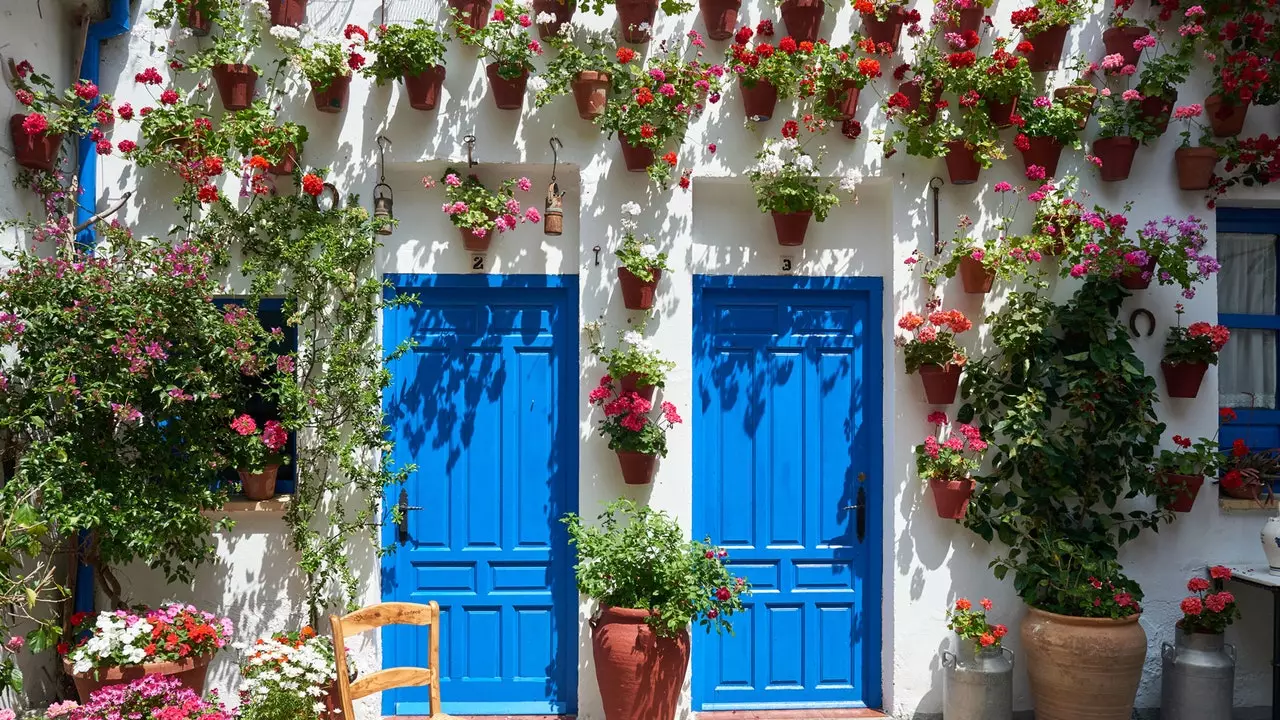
pixel 670 158
pixel 312 184
pixel 788 45
pixel 790 129
pixel 626 55
pixel 169 97
pixel 207 194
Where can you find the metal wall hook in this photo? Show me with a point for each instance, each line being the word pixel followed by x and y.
pixel 383 143
pixel 470 142
pixel 935 184
pixel 556 145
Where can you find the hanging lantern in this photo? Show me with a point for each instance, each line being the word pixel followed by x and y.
pixel 553 211
pixel 382 208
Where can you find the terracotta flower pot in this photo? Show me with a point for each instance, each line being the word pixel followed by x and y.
pixel 886 31
pixel 1156 109
pixel 1116 154
pixel 1226 119
pixel 940 383
pixel 259 486
pixel 637 468
pixel 912 90
pixel 630 383
pixel 791 227
pixel 632 14
pixel 288 162
pixel 1046 48
pixel 638 158
pixel 1183 379
pixel 637 294
pixel 1185 488
pixel 475 243
pixel 1247 490
pixel 1138 278
pixel 951 497
pixel 590 93
pixel 333 98
pixel 758 100
pixel 423 89
pixel 975 277
pixel 802 18
pixel 37 151
pixel 508 94
pixel 199 23
pixel 1043 151
pixel 962 163
pixel 720 17
pixel 1080 97
pixel 1001 113
pixel 844 99
pixel 1119 40
pixel 1082 667
pixel 477 11
pixel 1195 167
pixel 563 12
pixel 968 19
pixel 191 672
pixel 639 673
pixel 237 85
pixel 289 13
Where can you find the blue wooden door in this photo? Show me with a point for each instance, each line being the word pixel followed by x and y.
pixel 485 406
pixel 787 446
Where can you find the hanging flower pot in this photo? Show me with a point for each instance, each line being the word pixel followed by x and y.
pixel 637 468
pixel 477 11
pixel 968 20
pixel 287 13
pixel 1059 650
pixel 287 163
pixel 639 673
pixel 508 93
pixel 259 486
pixel 333 98
pixel 1226 119
pixel 638 158
pixel 720 17
pixel 423 89
pixel 1185 488
pixel 237 85
pixel 473 242
pixel 1119 41
pixel 758 99
pixel 638 294
pixel 590 93
pixel 1081 98
pixel 197 22
pixel 562 10
pixel 1195 167
pixel 1116 155
pixel 951 497
pixel 962 163
pixel 1183 379
pixel 1044 151
pixel 791 227
pixel 1156 109
pixel 636 18
pixel 912 91
pixel 940 383
pixel 803 18
pixel 35 151
pixel 1001 113
pixel 845 98
pixel 885 31
pixel 975 276
pixel 192 672
pixel 631 383
pixel 1138 278
pixel 1046 48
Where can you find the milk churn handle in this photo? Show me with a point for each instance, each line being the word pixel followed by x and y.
pixel 1168 651
pixel 1012 657
pixel 949 659
pixel 1231 650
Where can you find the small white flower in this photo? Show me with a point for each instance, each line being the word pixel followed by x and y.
pixel 286 33
pixel 790 143
pixel 770 165
pixel 538 83
pixel 649 251
pixel 849 181
pixel 545 17
pixel 632 337
pixel 631 208
pixel 261 5
pixel 804 162
pixel 643 27
pixel 318 707
pixel 186 33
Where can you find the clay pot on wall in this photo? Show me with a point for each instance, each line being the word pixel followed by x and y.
pixel 191 672
pixel 197 22
pixel 423 89
pixel 637 468
pixel 967 19
pixel 1046 50
pixel 639 673
pixel 563 11
pixel 638 294
pixel 638 158
pixel 34 151
pixel 1226 119
pixel 940 383
pixel 887 31
pixel 1156 109
pixel 975 277
pixel 1119 40
pixel 912 90
pixel 1138 278
pixel 951 497
pixel 962 163
pixel 590 93
pixel 333 98
pixel 477 11
pixel 259 486
pixel 1195 167
pixel 287 164
pixel 288 13
pixel 1043 151
pixel 634 383
pixel 720 17
pixel 1080 97
pixel 632 14
pixel 1001 113
pixel 844 99
pixel 791 227
pixel 758 99
pixel 1082 667
pixel 237 85
pixel 1183 379
pixel 802 18
pixel 1116 154
pixel 1184 488
pixel 508 93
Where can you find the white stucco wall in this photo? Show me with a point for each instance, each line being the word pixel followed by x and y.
pixel 715 228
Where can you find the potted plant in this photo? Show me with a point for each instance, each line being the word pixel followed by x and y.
pixel 37 132
pixel 803 18
pixel 994 81
pixel 980 261
pixel 978 674
pixel 1044 25
pixel 1237 78
pixel 510 51
pixel 946 463
pixel 256 131
pixel 1180 472
pixel 327 66
pixel 640 263
pixel 650 583
pixel 552 16
pixel 149 696
pixel 1188 353
pixel 961 16
pixel 636 17
pixel 1195 164
pixel 584 66
pixel 637 438
pixel 919 95
pixel 635 365
pixel 1160 78
pixel 194 15
pixel 970 146
pixel 110 650
pixel 179 134
pixel 1198 668
pixel 1176 248
pixel 227 57
pixel 721 17
pixel 415 53
pixel 767 73
pixel 652 104
pixel 1124 37
pixel 290 674
pixel 1248 474
pixel 477 211
pixel 932 350
pixel 841 74
pixel 1252 161
pixel 882 22
pixel 1121 128
pixel 786 182
pixel 259 455
pixel 1046 129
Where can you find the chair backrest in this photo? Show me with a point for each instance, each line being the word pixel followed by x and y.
pixel 372 618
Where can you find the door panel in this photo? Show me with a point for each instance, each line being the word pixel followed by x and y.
pixel 787 433
pixel 479 406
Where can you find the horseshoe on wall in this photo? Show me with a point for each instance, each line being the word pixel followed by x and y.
pixel 1133 322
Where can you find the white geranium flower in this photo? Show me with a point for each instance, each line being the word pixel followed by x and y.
pixel 644 27
pixel 804 162
pixel 537 83
pixel 790 143
pixel 849 181
pixel 285 33
pixel 649 251
pixel 544 17
pixel 632 337
pixel 770 165
pixel 260 5
pixel 631 208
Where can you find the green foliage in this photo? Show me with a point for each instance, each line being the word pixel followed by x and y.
pixel 321 63
pixel 641 257
pixel 233 39
pixel 29 588
pixel 404 50
pixel 504 40
pixel 633 355
pixel 638 558
pixel 168 12
pixel 1046 116
pixel 256 131
pixel 671 7
pixel 1120 115
pixel 786 180
pixel 1198 457
pixel 577 50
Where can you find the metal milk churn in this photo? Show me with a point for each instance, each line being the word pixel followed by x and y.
pixel 1199 677
pixel 977 682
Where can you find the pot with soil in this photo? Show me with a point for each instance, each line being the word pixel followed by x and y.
pixel 637 158
pixel 887 31
pixel 1183 379
pixel 951 497
pixel 562 11
pixel 333 97
pixel 638 294
pixel 1183 488
pixel 962 163
pixel 1226 118
pixel 940 383
pixel 508 92
pixel 259 485
pixel 475 12
pixel 1044 151
pixel 759 98
pixel 287 13
pixel 791 227
pixel 33 150
pixel 1119 41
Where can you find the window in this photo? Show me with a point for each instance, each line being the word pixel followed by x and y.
pixel 1247 304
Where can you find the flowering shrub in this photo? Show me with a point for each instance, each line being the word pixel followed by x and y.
pixel 786 179
pixel 627 422
pixel 403 50
pixel 1189 457
pixel 933 340
pixel 1113 598
pixel 1044 14
pixel 634 355
pixel 577 50
pixel 80 109
pixel 640 257
pixel 327 60
pixel 971 624
pixel 474 207
pixel 1199 342
pixel 504 40
pixel 781 66
pixel 155 696
pixel 170 633
pixel 255 450
pixel 1210 609
pixel 1042 117
pixel 639 558
pixel 953 458
pixel 286 676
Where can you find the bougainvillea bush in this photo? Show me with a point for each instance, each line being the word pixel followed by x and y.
pixel 170 633
pixel 287 675
pixel 1210 608
pixel 161 697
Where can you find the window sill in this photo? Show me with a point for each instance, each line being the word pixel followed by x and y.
pixel 1237 506
pixel 238 504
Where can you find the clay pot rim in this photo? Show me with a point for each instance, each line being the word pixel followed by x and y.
pixel 244 68
pixel 156 668
pixel 1195 363
pixel 593 75
pixel 1085 621
pixel 947 483
pixel 1197 151
pixel 633 616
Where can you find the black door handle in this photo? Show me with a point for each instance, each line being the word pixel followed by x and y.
pixel 861 520
pixel 402 530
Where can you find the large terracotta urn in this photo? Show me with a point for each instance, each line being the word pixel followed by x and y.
pixel 639 673
pixel 1082 667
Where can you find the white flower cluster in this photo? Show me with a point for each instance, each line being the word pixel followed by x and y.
pixel 114 640
pixel 285 33
pixel 544 18
pixel 772 163
pixel 275 667
pixel 649 251
pixel 630 211
pixel 638 341
pixel 849 181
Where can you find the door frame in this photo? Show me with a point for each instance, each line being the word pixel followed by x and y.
pixel 566 287
pixel 874 379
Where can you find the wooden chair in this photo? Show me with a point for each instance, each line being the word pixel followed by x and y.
pixel 372 618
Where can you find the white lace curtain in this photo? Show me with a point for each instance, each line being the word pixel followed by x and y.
pixel 1247 285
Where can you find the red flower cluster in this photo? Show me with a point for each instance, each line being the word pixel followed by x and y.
pixel 626 55
pixel 150 76
pixel 1242 76
pixel 869 67
pixel 1024 17
pixel 644 96
pixel 962 59
pixel 1211 609
pixel 1217 334
pixel 790 129
pixel 312 184
pixel 788 45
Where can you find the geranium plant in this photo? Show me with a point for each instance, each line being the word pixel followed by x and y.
pixel 627 422
pixel 1044 14
pixel 839 68
pixel 1189 457
pixel 1247 473
pixel 971 624
pixel 1042 117
pixel 759 63
pixel 288 675
pixel 257 450
pixel 1176 246
pixel 998 78
pixel 1210 608
pixel 152 696
pixel 324 61
pixel 504 41
pixel 953 458
pixel 933 338
pixel 578 50
pixel 1120 115
pixel 1000 253
pixel 475 208
pixel 78 110
pixel 238 35
pixel 671 7
pixel 640 257
pixel 634 356
pixel 1199 342
pixel 1188 115
pixel 257 131
pixel 640 558
pixel 786 178
pixel 400 50
pixel 1251 162
pixel 172 632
